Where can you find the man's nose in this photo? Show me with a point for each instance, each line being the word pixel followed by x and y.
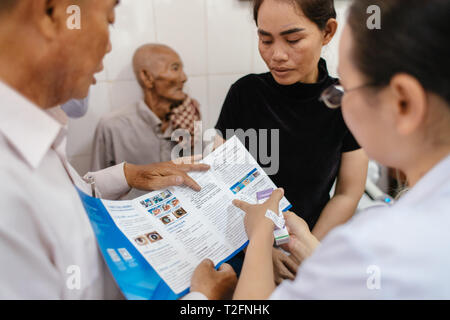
pixel 183 77
pixel 109 47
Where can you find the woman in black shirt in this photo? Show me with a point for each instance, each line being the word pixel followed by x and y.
pixel 315 146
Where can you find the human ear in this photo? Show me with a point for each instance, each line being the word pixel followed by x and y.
pixel 50 16
pixel 147 79
pixel 410 100
pixel 329 31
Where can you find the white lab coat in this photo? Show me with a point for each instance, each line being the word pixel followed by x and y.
pixel 398 252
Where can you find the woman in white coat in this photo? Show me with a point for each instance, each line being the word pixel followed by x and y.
pixel 395 99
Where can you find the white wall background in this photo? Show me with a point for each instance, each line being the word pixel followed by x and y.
pixel 216 39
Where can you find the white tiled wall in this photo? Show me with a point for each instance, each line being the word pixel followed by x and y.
pixel 215 38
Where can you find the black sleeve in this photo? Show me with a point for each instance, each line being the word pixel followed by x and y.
pixel 349 144
pixel 227 118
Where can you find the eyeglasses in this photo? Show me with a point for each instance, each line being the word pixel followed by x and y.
pixel 332 97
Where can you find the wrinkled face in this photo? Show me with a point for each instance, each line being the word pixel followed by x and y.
pixel 81 52
pixel 289 43
pixel 170 77
pixel 366 112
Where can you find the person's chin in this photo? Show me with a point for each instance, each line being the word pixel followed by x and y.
pixel 82 91
pixel 180 97
pixel 284 80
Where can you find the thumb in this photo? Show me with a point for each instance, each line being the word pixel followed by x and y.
pixel 244 206
pixel 207 263
pixel 275 198
pixel 294 224
pixel 289 217
pixel 226 268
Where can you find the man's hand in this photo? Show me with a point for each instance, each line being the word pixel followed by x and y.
pixel 302 242
pixel 255 218
pixel 284 266
pixel 158 176
pixel 215 285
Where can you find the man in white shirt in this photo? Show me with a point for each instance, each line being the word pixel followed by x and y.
pixel 44 231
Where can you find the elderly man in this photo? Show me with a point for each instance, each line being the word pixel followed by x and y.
pixel 134 133
pixel 44 230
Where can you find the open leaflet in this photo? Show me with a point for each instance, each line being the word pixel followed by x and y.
pixel 153 244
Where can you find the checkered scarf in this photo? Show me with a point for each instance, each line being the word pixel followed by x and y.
pixel 185 115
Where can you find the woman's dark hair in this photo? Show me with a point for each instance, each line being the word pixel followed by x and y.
pixel 413 39
pixel 318 11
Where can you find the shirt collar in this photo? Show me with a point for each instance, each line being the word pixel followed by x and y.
pixel 148 115
pixel 152 120
pixel 29 129
pixel 437 180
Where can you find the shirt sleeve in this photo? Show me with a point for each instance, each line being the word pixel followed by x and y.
pixel 101 154
pixel 227 118
pixel 349 143
pixel 337 270
pixel 110 182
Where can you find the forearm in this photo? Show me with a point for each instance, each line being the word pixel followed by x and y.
pixel 338 211
pixel 257 280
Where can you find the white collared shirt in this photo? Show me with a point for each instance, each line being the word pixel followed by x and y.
pixel 399 252
pixel 45 235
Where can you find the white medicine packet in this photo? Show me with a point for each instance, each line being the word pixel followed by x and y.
pixel 280 233
pixel 277 220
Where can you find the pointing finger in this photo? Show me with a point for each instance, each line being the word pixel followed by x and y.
pixel 188 181
pixel 193 167
pixel 244 206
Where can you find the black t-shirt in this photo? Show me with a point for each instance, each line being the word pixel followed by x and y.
pixel 312 137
